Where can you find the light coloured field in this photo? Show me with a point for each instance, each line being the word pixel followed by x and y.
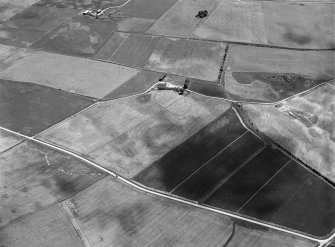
pixel 111 46
pixel 308 25
pixel 8 140
pixel 304 125
pixel 234 21
pixel 319 64
pixel 33 177
pixel 180 20
pixel 7 51
pixel 190 58
pixel 127 135
pixel 50 227
pixel 257 90
pixel 135 50
pixel 152 9
pixel 82 76
pixel 267 87
pixel 134 24
pixel 112 214
pixel 9 55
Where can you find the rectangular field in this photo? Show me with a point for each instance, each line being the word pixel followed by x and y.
pixel 82 76
pixel 30 108
pixel 246 182
pixel 111 46
pixel 308 25
pixel 295 198
pixel 227 162
pixel 191 58
pixel 78 36
pixel 135 50
pixel 152 9
pixel 180 20
pixel 235 21
pixel 318 64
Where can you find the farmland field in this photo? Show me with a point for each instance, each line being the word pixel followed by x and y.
pixel 110 213
pixel 285 200
pixel 167 123
pixel 234 21
pixel 33 177
pixel 190 58
pixel 218 169
pixel 135 130
pixel 30 108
